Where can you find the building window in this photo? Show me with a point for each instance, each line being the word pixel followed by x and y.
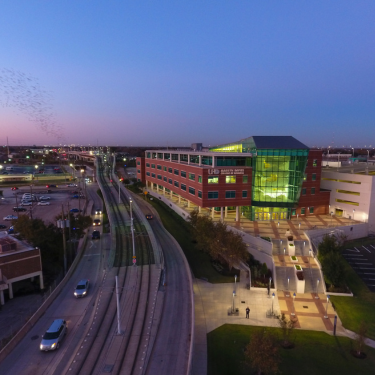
pixel 213 180
pixel 183 174
pixel 311 210
pixel 138 170
pixel 167 156
pixel 153 166
pixel 183 187
pixel 192 176
pixel 303 210
pixel 158 167
pixel 184 158
pixel 148 174
pixel 170 170
pixel 245 179
pixel 230 194
pixel 213 194
pixel 148 155
pixel 230 179
pixel 159 177
pixel 164 169
pixel 174 157
pixel 165 179
pixel 200 179
pixel 293 212
pixel 348 192
pixel 244 193
pixel 347 202
pixel 312 191
pixel 191 190
pixel 153 175
pixel 170 181
pixel 313 177
pixel 304 191
pixel 315 162
pixel 138 163
pixel 199 194
pixel 176 183
pixel 176 172
pixel 148 165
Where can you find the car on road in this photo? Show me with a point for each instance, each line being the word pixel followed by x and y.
pixel 19 209
pixel 55 334
pixel 95 235
pixel 71 185
pixel 96 222
pixel 14 188
pixel 44 198
pixel 148 216
pixel 11 230
pixel 43 203
pixel 23 203
pixel 2 226
pixel 10 217
pixel 98 211
pixel 82 288
pixel 74 210
pixel 75 196
pixel 48 186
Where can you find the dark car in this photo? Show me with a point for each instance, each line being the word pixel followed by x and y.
pixel 19 209
pixel 148 216
pixel 48 186
pixel 75 196
pixel 95 235
pixel 11 230
pixel 14 188
pixel 75 210
pixel 2 226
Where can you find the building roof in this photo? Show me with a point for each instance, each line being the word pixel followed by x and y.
pixel 277 142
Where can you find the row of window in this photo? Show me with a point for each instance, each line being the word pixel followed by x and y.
pixel 304 191
pixel 303 211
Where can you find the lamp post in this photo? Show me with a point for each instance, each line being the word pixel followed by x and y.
pixel 233 301
pixel 131 227
pixel 273 296
pixel 326 315
pixel 353 153
pixel 317 289
pixel 331 217
pixel 284 251
pixel 353 213
pixel 288 283
pixel 235 283
pixel 294 310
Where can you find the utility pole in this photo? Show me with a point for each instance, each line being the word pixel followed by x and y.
pixel 64 242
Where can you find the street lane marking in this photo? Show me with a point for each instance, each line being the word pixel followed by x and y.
pixel 356 250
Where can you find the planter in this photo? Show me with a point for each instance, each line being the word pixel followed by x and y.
pixel 294 259
pixel 298 268
pixel 300 279
pixel 300 275
pixel 291 248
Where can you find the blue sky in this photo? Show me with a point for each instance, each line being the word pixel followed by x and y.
pixel 177 72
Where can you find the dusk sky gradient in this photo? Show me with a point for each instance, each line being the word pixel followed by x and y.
pixel 158 73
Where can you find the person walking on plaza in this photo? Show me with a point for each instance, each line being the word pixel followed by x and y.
pixel 247 312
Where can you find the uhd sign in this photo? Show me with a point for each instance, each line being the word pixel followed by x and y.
pixel 229 171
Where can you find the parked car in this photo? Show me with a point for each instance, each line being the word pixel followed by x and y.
pixel 14 188
pixel 148 216
pixel 95 235
pixel 48 186
pixel 23 203
pixel 44 198
pixel 19 209
pixel 11 230
pixel 96 222
pixel 71 185
pixel 2 226
pixel 75 210
pixel 43 203
pixel 75 196
pixel 10 217
pixel 82 288
pixel 55 334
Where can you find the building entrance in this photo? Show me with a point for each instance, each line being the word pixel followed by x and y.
pixel 270 213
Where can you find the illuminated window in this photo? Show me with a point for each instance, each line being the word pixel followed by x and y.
pixel 230 179
pixel 347 181
pixel 245 179
pixel 192 176
pixel 213 180
pixel 303 210
pixel 315 162
pixel 200 179
pixel 347 202
pixel 347 192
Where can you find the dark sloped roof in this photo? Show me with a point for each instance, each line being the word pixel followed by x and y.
pixel 277 142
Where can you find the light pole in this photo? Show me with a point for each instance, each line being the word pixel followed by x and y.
pixel 233 301
pixel 131 227
pixel 293 313
pixel 288 283
pixel 235 283
pixel 317 289
pixel 284 251
pixel 353 154
pixel 326 315
pixel 273 296
pixel 331 217
pixel 353 213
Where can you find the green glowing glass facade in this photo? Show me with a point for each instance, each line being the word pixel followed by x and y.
pixel 278 171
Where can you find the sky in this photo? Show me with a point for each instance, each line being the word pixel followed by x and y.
pixel 172 73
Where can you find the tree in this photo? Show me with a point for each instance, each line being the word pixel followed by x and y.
pixel 361 337
pixel 78 223
pixel 328 245
pixel 333 268
pixel 262 352
pixel 287 326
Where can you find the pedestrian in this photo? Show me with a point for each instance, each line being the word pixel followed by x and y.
pixel 247 312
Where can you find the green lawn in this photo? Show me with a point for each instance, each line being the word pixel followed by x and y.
pixel 361 307
pixel 199 261
pixel 314 353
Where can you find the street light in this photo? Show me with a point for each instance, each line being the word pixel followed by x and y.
pixel 273 296
pixel 317 289
pixel 326 315
pixel 284 251
pixel 353 213
pixel 294 310
pixel 235 283
pixel 233 301
pixel 288 283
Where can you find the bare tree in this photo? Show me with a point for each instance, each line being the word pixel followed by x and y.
pixel 287 326
pixel 361 337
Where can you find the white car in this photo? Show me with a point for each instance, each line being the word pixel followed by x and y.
pixel 43 203
pixel 10 217
pixel 43 198
pixel 71 185
pixel 26 203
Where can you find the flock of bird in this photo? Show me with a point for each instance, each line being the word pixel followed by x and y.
pixel 23 93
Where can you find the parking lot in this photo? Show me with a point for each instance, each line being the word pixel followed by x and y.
pixel 362 260
pixel 58 197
